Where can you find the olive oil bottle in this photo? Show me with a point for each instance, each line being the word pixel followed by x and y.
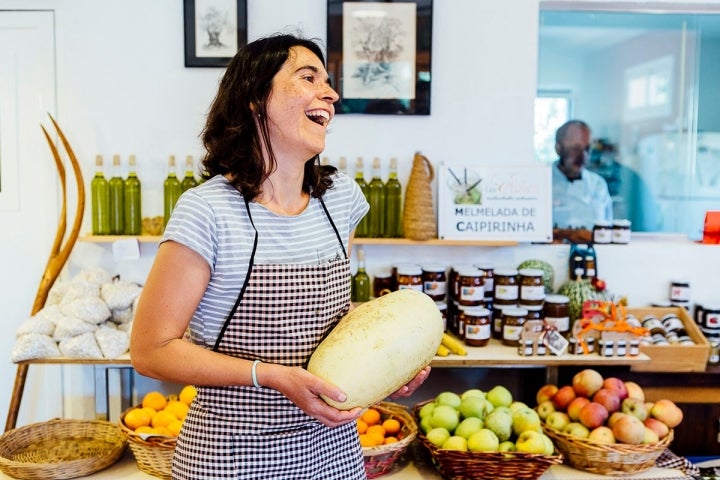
pixel 171 191
pixel 133 200
pixel 393 203
pixel 117 199
pixel 376 198
pixel 100 200
pixel 360 291
pixel 362 229
pixel 189 180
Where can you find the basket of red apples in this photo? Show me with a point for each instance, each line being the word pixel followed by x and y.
pixel 605 425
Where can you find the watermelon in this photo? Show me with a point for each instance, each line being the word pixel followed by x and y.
pixel 578 291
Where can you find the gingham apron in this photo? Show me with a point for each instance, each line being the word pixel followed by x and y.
pixel 282 313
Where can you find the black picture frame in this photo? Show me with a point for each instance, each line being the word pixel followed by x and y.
pixel 221 45
pixel 370 82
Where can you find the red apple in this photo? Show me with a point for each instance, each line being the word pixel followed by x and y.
pixel 617 385
pixel 573 410
pixel 608 398
pixel 636 408
pixel 650 436
pixel 602 434
pixel 629 429
pixel 593 415
pixel 563 397
pixel 546 392
pixel 587 382
pixel 635 391
pixel 614 417
pixel 657 426
pixel 667 412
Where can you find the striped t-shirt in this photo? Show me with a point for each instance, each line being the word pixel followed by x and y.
pixel 211 220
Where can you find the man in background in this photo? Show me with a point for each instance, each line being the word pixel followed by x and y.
pixel 580 197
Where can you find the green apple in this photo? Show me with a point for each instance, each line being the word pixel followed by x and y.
pixel 472 407
pixel 526 419
pixel 469 426
pixel 530 441
pixel 444 416
pixel 489 407
pixel 506 446
pixel 448 398
pixel 549 445
pixel 437 436
pixel 517 405
pixel 427 409
pixel 425 425
pixel 557 420
pixel 500 423
pixel 473 392
pixel 484 440
pixel 455 443
pixel 576 429
pixel 499 396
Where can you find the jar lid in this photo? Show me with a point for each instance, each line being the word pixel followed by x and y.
pixel 531 272
pixel 515 311
pixel 476 311
pixel 486 266
pixel 531 308
pixel 621 223
pixel 470 272
pixel 555 298
pixel 409 269
pixel 433 267
pixel 383 274
pixel 603 224
pixel 506 272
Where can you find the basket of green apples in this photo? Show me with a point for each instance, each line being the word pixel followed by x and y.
pixel 605 425
pixel 484 435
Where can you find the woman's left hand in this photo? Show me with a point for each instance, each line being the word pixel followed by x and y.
pixel 409 388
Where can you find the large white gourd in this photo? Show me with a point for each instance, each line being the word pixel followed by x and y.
pixel 378 347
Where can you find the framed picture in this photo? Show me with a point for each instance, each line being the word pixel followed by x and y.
pixel 379 55
pixel 214 31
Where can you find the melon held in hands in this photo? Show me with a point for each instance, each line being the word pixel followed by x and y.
pixel 378 347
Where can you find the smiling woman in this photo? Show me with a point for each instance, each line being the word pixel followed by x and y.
pixel 644 83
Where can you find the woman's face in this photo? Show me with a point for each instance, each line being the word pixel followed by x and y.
pixel 300 106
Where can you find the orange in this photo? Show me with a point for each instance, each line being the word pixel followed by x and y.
pixel 371 416
pixel 150 411
pixel 389 440
pixel 361 426
pixel 177 408
pixel 162 419
pixel 144 429
pixel 154 400
pixel 136 418
pixel 391 425
pixel 376 431
pixel 162 431
pixel 174 427
pixel 187 394
pixel 369 440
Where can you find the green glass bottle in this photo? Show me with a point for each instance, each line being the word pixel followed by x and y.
pixel 100 200
pixel 361 280
pixel 133 200
pixel 188 180
pixel 171 190
pixel 376 198
pixel 393 203
pixel 362 229
pixel 116 186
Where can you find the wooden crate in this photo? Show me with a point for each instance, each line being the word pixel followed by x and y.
pixel 673 358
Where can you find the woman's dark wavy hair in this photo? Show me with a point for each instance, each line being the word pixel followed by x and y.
pixel 231 138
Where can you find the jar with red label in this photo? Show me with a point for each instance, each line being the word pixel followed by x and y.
pixel 532 286
pixel 477 326
pixel 505 287
pixel 434 281
pixel 471 287
pixel 409 276
pixel 512 324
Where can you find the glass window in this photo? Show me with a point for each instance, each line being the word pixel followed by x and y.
pixel 552 109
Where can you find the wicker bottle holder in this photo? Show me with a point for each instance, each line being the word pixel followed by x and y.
pixel 419 220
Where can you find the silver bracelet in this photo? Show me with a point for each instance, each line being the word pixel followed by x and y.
pixel 253 373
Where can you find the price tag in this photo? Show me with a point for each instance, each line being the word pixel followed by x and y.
pixel 555 342
pixel 126 249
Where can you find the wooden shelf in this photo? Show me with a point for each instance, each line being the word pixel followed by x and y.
pixel 436 242
pixel 121 360
pixel 114 238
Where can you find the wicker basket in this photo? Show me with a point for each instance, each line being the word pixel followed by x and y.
pixel 380 460
pixel 456 465
pixel 60 448
pixel 616 459
pixel 152 454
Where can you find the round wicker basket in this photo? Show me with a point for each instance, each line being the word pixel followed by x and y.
pixel 60 449
pixel 616 460
pixel 380 460
pixel 456 465
pixel 153 454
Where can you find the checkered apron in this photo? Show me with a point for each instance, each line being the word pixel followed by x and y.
pixel 242 432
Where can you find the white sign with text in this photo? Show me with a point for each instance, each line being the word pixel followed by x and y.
pixel 491 202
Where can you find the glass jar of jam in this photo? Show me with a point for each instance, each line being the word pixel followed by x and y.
pixel 453 279
pixel 409 276
pixel 488 278
pixel 382 283
pixel 505 287
pixel 497 317
pixel 477 326
pixel 602 232
pixel 621 231
pixel 434 281
pixel 535 312
pixel 557 312
pixel 512 325
pixel 532 286
pixel 680 291
pixel 472 288
pixel 442 307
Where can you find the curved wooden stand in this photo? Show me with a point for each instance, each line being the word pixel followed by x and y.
pixel 58 255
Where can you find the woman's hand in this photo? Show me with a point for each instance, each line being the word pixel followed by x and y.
pixel 409 388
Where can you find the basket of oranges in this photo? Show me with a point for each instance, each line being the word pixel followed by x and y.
pixel 386 429
pixel 152 427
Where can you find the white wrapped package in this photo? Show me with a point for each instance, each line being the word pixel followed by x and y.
pixel 70 327
pixel 123 316
pixel 112 342
pixel 32 346
pixel 56 293
pixel 50 312
pixel 120 295
pixel 35 324
pixel 96 276
pixel 87 309
pixel 80 289
pixel 82 346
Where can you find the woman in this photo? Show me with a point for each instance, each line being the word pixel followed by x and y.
pixel 255 261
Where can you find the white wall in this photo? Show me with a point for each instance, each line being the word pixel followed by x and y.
pixel 122 88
